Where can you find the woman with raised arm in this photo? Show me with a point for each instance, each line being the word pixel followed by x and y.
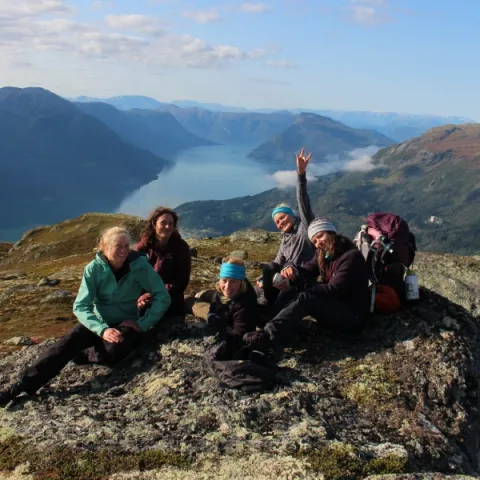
pixel 106 308
pixel 169 256
pixel 339 302
pixel 295 248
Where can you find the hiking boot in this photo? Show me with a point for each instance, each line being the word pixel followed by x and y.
pixel 258 340
pixel 10 393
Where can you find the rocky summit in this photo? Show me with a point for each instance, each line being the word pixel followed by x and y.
pixel 398 401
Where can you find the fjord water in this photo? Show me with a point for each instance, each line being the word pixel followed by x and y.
pixel 204 173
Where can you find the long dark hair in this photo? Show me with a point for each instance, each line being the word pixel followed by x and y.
pixel 336 245
pixel 148 232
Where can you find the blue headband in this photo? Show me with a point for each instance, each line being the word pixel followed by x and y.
pixel 286 210
pixel 231 270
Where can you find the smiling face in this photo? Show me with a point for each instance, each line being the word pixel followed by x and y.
pixel 324 241
pixel 116 250
pixel 230 287
pixel 284 222
pixel 164 227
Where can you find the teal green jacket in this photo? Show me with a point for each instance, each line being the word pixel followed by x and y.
pixel 102 302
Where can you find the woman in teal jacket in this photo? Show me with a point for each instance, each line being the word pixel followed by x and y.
pixel 106 307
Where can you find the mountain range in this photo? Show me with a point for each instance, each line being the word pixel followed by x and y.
pixel 155 130
pixel 56 161
pixel 433 181
pixel 398 126
pixel 322 135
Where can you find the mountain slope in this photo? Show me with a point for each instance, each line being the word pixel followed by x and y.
pixel 321 135
pixel 57 161
pixel 232 127
pixel 399 126
pixel 157 131
pixel 125 102
pixel 437 174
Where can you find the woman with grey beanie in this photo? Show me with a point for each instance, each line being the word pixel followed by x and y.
pixel 340 301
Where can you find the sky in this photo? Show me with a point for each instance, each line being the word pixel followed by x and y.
pixel 415 56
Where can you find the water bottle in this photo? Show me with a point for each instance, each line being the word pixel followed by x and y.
pixel 278 279
pixel 411 285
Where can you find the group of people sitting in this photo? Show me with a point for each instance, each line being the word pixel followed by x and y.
pixel 126 293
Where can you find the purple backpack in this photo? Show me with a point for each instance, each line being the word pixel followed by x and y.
pixel 389 248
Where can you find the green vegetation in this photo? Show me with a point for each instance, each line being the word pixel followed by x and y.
pixel 416 180
pixel 64 463
pixel 340 461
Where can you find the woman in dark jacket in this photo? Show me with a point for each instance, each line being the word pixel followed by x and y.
pixel 234 309
pixel 169 256
pixel 339 301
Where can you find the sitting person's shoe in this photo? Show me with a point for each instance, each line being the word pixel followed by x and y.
pixel 258 340
pixel 8 394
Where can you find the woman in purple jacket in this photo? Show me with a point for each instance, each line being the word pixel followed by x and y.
pixel 340 301
pixel 169 255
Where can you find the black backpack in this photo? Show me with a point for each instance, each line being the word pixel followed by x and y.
pixel 249 370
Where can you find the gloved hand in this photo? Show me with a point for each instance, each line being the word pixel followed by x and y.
pixel 214 322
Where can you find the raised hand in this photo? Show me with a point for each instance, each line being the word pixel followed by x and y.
pixel 302 161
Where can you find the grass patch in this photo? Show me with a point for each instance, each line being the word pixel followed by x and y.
pixel 67 464
pixel 368 384
pixel 342 461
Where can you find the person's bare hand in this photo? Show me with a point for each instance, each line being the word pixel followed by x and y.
pixel 112 335
pixel 302 161
pixel 144 300
pixel 289 273
pixel 130 324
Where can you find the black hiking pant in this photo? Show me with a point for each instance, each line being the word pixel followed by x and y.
pixel 329 312
pixel 276 299
pixel 72 344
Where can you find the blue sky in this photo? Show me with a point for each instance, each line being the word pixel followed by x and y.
pixel 380 55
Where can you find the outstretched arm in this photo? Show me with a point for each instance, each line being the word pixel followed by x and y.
pixel 303 200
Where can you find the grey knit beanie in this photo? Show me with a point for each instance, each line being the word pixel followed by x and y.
pixel 320 225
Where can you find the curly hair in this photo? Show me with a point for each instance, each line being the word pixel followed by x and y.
pixel 149 232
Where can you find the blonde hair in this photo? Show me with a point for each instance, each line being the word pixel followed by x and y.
pixel 236 261
pixel 109 235
pixel 280 205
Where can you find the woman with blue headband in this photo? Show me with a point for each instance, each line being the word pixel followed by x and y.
pixel 339 302
pixel 295 248
pixel 234 307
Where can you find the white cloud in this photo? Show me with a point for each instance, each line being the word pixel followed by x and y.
pixel 202 16
pixel 281 64
pixel 123 39
pixel 367 13
pixel 254 7
pixel 361 159
pixel 134 23
pixel 30 8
